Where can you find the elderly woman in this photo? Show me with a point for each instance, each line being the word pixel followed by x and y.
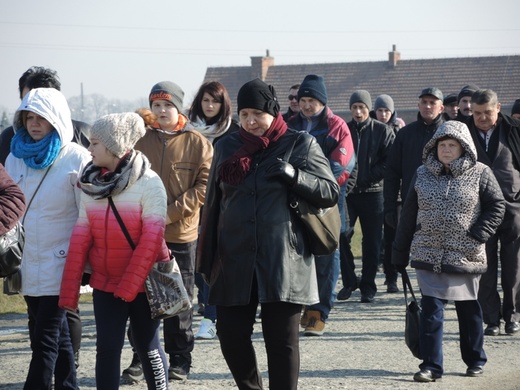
pixel 250 251
pixel 45 164
pixel 453 207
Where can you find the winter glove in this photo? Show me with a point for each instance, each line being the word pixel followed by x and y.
pixel 283 170
pixel 391 219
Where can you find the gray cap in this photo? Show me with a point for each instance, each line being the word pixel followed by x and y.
pixel 384 101
pixel 361 96
pixel 432 91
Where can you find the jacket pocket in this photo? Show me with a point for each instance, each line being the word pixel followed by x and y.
pixel 61 251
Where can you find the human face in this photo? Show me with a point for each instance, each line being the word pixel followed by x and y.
pixel 293 103
pixel 37 126
pixel 465 105
pixel 359 112
pixel 485 115
pixel 167 114
pixel 310 106
pixel 430 108
pixel 101 156
pixel 383 114
pixel 254 121
pixel 210 106
pixel 448 150
pixel 451 110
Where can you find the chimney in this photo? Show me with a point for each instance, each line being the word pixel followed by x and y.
pixel 394 57
pixel 260 65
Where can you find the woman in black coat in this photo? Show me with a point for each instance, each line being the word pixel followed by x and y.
pixel 249 250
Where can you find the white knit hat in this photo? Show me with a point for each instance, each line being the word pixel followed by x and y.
pixel 118 132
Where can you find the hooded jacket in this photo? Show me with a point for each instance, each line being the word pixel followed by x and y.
pixel 448 216
pixel 52 212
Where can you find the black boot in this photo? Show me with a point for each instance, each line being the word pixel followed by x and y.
pixel 134 373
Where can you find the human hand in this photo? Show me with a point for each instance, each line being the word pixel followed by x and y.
pixel 283 170
pixel 391 219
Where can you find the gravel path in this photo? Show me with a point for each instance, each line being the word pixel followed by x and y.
pixel 363 348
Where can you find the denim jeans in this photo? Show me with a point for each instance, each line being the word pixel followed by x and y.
pixel 368 207
pixel 52 357
pixel 327 273
pixel 471 333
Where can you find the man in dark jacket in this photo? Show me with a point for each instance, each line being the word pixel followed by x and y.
pixel 40 77
pixel 372 141
pixel 464 101
pixel 497 139
pixel 294 106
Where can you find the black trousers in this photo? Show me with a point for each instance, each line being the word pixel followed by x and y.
pixel 280 326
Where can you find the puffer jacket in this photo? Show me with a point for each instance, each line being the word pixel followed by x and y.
pixel 98 238
pixel 448 217
pixel 12 202
pixel 50 217
pixel 182 160
pixel 248 231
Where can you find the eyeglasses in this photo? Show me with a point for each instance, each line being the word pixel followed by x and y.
pixel 291 97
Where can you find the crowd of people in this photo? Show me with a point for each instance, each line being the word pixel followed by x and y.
pixel 440 194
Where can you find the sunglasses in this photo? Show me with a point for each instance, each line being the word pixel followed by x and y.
pixel 291 97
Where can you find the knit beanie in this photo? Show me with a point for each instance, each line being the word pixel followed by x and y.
pixel 166 90
pixel 313 86
pixel 467 90
pixel 258 95
pixel 361 96
pixel 118 132
pixel 516 107
pixel 384 101
pixel 450 99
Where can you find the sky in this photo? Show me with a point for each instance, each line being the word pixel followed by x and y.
pixel 120 49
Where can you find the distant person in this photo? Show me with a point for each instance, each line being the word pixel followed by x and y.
pixel 453 208
pixel 464 101
pixel 497 139
pixel 122 174
pixel 384 111
pixel 250 250
pixel 451 107
pixel 181 156
pixel 294 106
pixel 334 138
pixel 46 164
pixel 515 110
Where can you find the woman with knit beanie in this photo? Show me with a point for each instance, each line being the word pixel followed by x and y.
pixel 120 174
pixel 45 164
pixel 250 252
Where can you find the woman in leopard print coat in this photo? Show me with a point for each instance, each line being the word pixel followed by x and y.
pixel 453 207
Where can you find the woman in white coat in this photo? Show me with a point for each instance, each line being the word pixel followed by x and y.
pixel 45 164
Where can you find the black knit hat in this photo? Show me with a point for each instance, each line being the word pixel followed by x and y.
pixel 258 95
pixel 361 96
pixel 467 90
pixel 450 99
pixel 516 107
pixel 313 86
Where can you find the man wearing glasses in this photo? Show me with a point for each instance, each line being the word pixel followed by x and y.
pixel 294 106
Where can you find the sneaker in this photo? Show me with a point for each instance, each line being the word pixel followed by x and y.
pixel 134 373
pixel 207 330
pixel 304 320
pixel 315 326
pixel 179 368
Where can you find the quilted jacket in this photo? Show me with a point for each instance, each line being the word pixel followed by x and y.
pixel 448 217
pixel 98 238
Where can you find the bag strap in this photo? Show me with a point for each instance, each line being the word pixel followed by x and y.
pixel 289 150
pixel 121 223
pixel 407 285
pixel 34 193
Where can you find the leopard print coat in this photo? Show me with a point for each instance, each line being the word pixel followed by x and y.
pixel 448 216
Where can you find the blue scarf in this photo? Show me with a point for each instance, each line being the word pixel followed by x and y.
pixel 36 154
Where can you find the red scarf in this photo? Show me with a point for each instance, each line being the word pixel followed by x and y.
pixel 234 170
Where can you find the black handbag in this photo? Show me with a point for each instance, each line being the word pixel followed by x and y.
pixel 164 288
pixel 11 250
pixel 413 318
pixel 322 226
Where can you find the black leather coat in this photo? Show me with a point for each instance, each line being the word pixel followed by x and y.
pixel 247 231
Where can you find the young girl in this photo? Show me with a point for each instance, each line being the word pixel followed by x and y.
pixel 118 272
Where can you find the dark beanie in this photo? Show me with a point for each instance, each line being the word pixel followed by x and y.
pixel 467 90
pixel 166 90
pixel 516 107
pixel 384 101
pixel 258 95
pixel 313 86
pixel 361 96
pixel 450 99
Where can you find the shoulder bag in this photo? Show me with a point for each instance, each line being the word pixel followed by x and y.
pixel 163 286
pixel 322 226
pixel 413 318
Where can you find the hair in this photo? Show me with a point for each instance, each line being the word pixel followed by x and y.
pixel 148 116
pixel 38 77
pixel 220 94
pixel 485 96
pixel 295 86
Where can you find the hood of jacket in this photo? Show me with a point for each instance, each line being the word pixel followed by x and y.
pixel 50 104
pixel 456 130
